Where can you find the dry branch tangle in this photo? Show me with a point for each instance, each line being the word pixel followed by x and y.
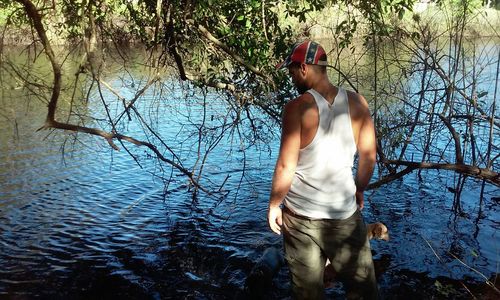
pixel 50 121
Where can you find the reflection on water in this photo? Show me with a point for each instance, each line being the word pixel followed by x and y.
pixel 93 224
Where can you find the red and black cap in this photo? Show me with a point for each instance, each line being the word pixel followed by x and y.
pixel 306 52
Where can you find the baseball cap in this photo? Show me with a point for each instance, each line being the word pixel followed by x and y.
pixel 306 52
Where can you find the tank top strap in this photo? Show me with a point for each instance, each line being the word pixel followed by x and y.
pixel 342 104
pixel 319 99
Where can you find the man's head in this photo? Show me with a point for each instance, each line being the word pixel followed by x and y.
pixel 306 52
pixel 305 57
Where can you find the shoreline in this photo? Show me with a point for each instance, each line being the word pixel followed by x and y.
pixel 482 23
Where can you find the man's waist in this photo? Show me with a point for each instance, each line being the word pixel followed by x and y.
pixel 338 215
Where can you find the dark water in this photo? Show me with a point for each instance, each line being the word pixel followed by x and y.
pixel 91 223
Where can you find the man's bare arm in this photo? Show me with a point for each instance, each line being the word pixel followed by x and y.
pixel 367 149
pixel 286 163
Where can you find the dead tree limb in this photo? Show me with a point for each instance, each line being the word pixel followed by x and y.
pixel 481 173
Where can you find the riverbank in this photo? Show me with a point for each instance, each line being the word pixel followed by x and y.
pixel 481 23
pixel 320 25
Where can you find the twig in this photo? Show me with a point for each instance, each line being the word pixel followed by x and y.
pixel 487 281
pixel 439 258
pixel 226 49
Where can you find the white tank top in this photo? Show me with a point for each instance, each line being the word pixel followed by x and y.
pixel 323 185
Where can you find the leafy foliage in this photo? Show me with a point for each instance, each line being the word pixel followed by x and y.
pixel 249 31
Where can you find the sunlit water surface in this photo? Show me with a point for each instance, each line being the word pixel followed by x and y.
pixel 85 221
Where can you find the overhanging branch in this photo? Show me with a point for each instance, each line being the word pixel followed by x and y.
pixel 36 18
pixel 50 121
pixel 226 49
pixel 481 173
pixel 109 137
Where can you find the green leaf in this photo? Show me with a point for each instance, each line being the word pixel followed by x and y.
pixel 482 94
pixel 240 18
pixel 401 14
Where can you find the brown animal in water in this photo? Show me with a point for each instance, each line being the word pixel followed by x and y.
pixel 377 231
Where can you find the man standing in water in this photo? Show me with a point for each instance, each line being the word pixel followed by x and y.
pixel 321 132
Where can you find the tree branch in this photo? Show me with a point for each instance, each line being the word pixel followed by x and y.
pixel 481 173
pixel 226 49
pixel 439 70
pixel 50 121
pixel 109 137
pixel 456 138
pixel 35 17
pixel 389 178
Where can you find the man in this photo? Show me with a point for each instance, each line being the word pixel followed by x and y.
pixel 321 132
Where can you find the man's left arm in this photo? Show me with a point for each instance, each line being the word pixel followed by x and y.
pixel 367 149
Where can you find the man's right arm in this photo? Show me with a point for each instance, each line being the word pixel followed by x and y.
pixel 286 163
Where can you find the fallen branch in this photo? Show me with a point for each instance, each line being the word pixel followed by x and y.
pixel 390 178
pixel 481 173
pixel 109 137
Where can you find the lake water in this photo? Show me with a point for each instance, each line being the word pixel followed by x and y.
pixel 79 220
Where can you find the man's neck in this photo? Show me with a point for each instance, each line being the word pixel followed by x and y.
pixel 325 88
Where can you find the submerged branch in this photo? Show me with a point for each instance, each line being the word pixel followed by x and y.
pixel 486 280
pixel 444 264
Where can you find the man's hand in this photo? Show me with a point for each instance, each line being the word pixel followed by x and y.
pixel 360 199
pixel 274 218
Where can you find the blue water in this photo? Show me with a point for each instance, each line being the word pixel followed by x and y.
pixel 85 221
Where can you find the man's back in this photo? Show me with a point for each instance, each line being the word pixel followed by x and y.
pixel 323 186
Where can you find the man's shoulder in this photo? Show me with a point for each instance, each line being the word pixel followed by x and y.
pixel 301 102
pixel 356 100
pixel 354 96
pixel 358 105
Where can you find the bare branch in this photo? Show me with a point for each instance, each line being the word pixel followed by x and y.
pixel 481 173
pixel 389 178
pixel 35 17
pixel 456 138
pixel 109 137
pixel 226 49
